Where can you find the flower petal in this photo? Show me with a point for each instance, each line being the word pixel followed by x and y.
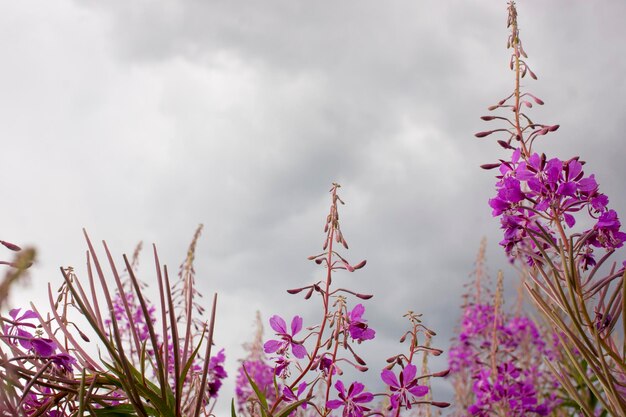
pixel 419 390
pixel 408 374
pixel 334 404
pixel 298 350
pixel 296 325
pixel 278 324
pixel 272 346
pixel 389 378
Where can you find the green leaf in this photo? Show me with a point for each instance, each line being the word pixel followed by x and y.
pixel 259 394
pixel 232 408
pixel 120 410
pixel 290 408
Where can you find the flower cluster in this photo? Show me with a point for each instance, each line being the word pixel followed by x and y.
pixel 513 343
pixel 536 194
pixel 43 348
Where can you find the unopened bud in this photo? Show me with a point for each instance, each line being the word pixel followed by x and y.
pixel 364 296
pixel 360 264
pixel 505 144
pixel 319 260
pixel 358 359
pixel 308 294
pixel 487 118
pixel 10 246
pixel 483 134
pixel 83 336
pixel 295 290
pixel 441 373
pixel 361 368
pixel 490 166
pixel 492 107
pixel 440 404
pixel 553 128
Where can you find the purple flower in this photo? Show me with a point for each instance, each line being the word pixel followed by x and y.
pixel 281 367
pixel 16 328
pixel 280 346
pixel 64 361
pixel 358 328
pixel 351 400
pixel 216 373
pixel 400 389
pixel 290 397
pixel 42 346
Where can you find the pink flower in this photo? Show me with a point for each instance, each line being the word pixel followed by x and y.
pixel 401 389
pixel 280 346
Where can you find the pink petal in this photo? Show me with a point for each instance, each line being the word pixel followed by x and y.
pixel 364 398
pixel 278 324
pixel 298 350
pixel 334 404
pixel 419 390
pixel 389 378
pixel 356 388
pixel 409 373
pixel 339 386
pixel 357 312
pixel 272 346
pixel 296 325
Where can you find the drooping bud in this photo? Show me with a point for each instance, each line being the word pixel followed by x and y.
pixel 483 134
pixel 308 294
pixel 364 296
pixel 10 246
pixel 360 264
pixel 490 166
pixel 505 144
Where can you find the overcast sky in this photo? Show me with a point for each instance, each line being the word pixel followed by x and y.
pixel 139 120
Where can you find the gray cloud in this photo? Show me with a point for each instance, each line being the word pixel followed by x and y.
pixel 140 120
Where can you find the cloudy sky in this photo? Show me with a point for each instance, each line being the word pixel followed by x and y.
pixel 139 120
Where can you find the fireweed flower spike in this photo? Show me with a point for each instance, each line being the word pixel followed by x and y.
pixel 541 201
pixel 281 346
pixel 331 344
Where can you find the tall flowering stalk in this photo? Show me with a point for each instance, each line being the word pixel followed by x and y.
pixel 309 362
pixel 141 371
pixel 543 204
pixel 493 362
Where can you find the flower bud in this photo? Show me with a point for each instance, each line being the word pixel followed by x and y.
pixel 360 264
pixel 483 134
pixel 10 246
pixel 308 294
pixel 490 166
